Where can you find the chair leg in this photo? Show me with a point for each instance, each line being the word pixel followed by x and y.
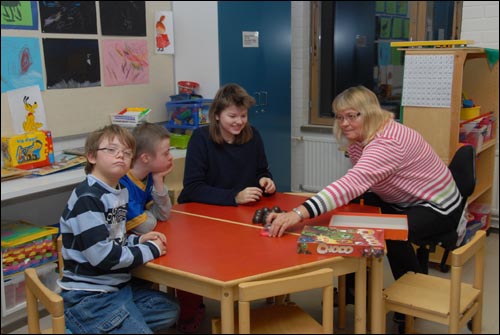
pixel 443 267
pixel 342 302
pixel 423 259
pixel 409 324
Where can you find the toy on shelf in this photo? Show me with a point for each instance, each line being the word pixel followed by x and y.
pixel 187 114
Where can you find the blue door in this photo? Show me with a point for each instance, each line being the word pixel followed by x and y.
pixel 263 67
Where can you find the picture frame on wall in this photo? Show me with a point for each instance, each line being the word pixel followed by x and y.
pixel 19 15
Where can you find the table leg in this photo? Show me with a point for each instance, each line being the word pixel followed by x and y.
pixel 227 311
pixel 360 298
pixel 342 287
pixel 376 298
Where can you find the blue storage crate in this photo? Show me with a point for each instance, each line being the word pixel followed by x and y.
pixel 187 114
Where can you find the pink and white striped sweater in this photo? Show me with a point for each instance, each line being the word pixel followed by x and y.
pixel 400 167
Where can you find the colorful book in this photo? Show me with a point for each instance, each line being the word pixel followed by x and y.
pixel 62 162
pixel 395 226
pixel 341 241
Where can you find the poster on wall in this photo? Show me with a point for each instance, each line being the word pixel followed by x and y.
pixel 71 63
pixel 123 18
pixel 125 62
pixel 164 32
pixel 21 63
pixel 26 109
pixel 427 80
pixel 68 17
pixel 19 15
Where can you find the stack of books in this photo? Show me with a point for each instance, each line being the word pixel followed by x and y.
pixel 130 117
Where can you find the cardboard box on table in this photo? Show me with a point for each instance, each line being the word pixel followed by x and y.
pixel 341 241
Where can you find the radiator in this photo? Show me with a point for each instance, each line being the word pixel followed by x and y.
pixel 324 163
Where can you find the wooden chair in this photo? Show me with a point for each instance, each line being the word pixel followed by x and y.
pixel 285 318
pixel 342 286
pixel 60 260
pixel 446 301
pixel 36 292
pixel 174 179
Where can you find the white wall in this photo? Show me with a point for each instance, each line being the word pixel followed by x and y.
pixel 197 45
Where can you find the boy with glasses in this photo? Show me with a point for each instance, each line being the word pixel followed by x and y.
pixel 97 287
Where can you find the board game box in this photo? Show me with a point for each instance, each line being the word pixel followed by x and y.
pixel 29 150
pixel 341 241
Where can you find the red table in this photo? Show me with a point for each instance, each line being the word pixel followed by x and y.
pixel 210 252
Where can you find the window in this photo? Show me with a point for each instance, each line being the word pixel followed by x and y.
pixel 350 45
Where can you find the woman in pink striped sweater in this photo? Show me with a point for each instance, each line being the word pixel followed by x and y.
pixel 394 168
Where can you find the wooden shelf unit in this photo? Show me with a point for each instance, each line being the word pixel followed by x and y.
pixel 440 126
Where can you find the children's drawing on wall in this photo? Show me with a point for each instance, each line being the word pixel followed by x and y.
pixel 71 63
pixel 21 63
pixel 123 18
pixel 27 111
pixel 125 62
pixel 19 15
pixel 68 17
pixel 164 33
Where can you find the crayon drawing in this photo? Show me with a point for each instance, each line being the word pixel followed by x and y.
pixel 27 110
pixel 164 30
pixel 71 63
pixel 123 18
pixel 68 17
pixel 19 15
pixel 125 62
pixel 21 63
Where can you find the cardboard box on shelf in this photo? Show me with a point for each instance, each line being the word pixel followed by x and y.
pixel 29 150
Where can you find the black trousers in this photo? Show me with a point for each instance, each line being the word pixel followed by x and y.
pixel 423 223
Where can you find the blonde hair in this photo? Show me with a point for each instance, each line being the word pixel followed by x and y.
pixel 227 96
pixel 365 102
pixel 110 132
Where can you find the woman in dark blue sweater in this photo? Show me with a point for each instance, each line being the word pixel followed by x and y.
pixel 225 165
pixel 226 162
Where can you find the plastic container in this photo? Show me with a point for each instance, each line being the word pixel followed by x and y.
pixel 185 96
pixel 470 113
pixel 15 292
pixel 179 140
pixel 475 137
pixel 26 245
pixel 187 114
pixel 187 87
pixel 479 213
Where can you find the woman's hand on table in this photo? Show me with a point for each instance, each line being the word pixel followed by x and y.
pixel 280 222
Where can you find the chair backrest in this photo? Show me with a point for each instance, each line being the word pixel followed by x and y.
pixel 36 292
pixel 463 169
pixel 255 290
pixel 60 260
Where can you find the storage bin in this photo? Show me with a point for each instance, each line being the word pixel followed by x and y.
pixel 479 213
pixel 470 113
pixel 179 140
pixel 15 292
pixel 474 137
pixel 26 245
pixel 187 114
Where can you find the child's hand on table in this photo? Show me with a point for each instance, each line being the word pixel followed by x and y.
pixel 157 238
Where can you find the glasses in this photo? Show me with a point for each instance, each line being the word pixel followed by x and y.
pixel 114 152
pixel 348 117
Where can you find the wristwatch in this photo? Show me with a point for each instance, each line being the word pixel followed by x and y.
pixel 299 213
